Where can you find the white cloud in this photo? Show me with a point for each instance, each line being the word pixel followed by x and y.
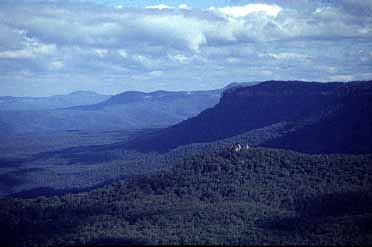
pixel 156 73
pixel 266 72
pixel 164 6
pixel 341 77
pixel 123 53
pixel 159 7
pixel 32 49
pixel 233 60
pixel 145 61
pixel 184 6
pixel 57 65
pixel 101 52
pixel 180 30
pixel 113 44
pixel 175 30
pixel 287 56
pixel 179 58
pixel 243 11
pixel 147 76
pixel 16 54
pixel 328 69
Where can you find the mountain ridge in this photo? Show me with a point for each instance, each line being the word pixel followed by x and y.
pixel 128 97
pixel 10 103
pixel 128 110
pixel 242 109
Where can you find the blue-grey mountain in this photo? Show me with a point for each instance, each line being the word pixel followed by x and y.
pixel 129 110
pixel 319 117
pixel 8 103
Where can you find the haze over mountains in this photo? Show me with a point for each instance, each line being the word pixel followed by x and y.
pixel 91 111
pixel 8 103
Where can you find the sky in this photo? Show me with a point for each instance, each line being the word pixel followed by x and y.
pixel 110 46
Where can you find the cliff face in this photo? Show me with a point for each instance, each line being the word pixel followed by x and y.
pixel 243 109
pixel 272 102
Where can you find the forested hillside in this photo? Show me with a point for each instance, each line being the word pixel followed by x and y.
pixel 251 197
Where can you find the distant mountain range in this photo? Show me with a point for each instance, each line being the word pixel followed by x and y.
pixel 91 111
pixel 8 103
pixel 317 117
pixel 177 103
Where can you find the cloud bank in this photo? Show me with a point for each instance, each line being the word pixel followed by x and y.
pixel 60 46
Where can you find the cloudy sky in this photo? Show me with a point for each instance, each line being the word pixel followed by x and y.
pixel 110 46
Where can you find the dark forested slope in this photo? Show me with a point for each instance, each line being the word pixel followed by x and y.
pixel 256 196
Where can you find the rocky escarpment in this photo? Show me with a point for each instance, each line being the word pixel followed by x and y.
pixel 243 109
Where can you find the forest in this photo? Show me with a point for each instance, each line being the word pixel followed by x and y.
pixel 255 196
